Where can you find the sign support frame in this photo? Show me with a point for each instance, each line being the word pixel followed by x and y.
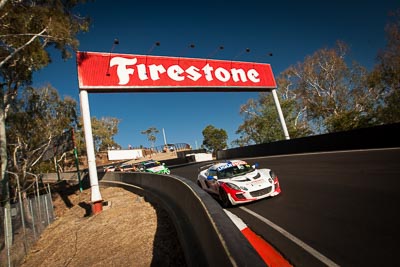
pixel 280 114
pixel 96 199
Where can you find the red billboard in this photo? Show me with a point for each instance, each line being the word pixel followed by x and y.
pixel 107 72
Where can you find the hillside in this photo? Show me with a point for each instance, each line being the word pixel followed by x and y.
pixel 128 232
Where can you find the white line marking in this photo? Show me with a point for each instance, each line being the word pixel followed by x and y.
pixel 294 239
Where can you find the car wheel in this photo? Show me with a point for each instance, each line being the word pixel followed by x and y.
pixel 224 198
pixel 199 184
pixel 167 172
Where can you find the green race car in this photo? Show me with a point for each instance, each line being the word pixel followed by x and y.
pixel 153 166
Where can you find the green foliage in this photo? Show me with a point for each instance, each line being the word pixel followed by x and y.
pixel 390 112
pixel 385 77
pixel 103 131
pixel 261 121
pixel 41 24
pixel 325 94
pixel 330 90
pixel 37 116
pixel 322 94
pixel 214 139
pixel 27 30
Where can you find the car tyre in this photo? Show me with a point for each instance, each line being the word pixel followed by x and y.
pixel 224 198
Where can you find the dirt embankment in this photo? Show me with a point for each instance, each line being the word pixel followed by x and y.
pixel 128 232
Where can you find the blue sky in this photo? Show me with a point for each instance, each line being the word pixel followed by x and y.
pixel 290 30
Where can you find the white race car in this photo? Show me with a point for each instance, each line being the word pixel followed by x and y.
pixel 235 182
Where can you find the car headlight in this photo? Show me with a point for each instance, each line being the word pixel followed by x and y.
pixel 233 186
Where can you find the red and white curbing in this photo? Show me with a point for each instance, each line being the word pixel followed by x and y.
pixel 270 256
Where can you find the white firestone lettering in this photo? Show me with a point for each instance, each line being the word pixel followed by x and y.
pixel 207 71
pixel 155 70
pixel 238 72
pixel 193 73
pixel 253 76
pixel 222 74
pixel 122 72
pixel 175 73
pixel 142 72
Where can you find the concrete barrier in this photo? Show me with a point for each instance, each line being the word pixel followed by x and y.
pixel 63 176
pixel 384 136
pixel 208 236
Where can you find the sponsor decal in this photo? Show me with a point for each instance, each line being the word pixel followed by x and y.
pixel 156 169
pixel 231 164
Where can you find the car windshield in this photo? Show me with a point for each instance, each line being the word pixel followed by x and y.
pixel 233 171
pixel 151 165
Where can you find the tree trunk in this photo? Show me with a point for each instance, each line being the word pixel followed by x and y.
pixel 4 179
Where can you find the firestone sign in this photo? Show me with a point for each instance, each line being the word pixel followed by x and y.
pixel 105 72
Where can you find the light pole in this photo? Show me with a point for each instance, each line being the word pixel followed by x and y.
pixel 165 139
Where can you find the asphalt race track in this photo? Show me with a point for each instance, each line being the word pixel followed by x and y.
pixel 336 208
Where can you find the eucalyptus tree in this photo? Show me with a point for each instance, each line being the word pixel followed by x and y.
pixel 27 30
pixel 334 95
pixel 321 94
pixel 104 130
pixel 151 135
pixel 214 139
pixel 261 123
pixel 385 76
pixel 38 118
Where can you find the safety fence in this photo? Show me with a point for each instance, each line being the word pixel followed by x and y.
pixel 169 148
pixel 30 215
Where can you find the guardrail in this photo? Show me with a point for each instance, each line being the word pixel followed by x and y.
pixel 207 235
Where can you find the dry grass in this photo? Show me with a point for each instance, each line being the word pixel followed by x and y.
pixel 128 232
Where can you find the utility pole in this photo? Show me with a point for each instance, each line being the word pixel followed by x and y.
pixel 165 139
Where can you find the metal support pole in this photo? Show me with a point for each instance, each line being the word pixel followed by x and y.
pixel 7 234
pixel 33 219
pixel 38 198
pixel 165 142
pixel 47 208
pixel 281 118
pixel 97 201
pixel 165 139
pixel 21 207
